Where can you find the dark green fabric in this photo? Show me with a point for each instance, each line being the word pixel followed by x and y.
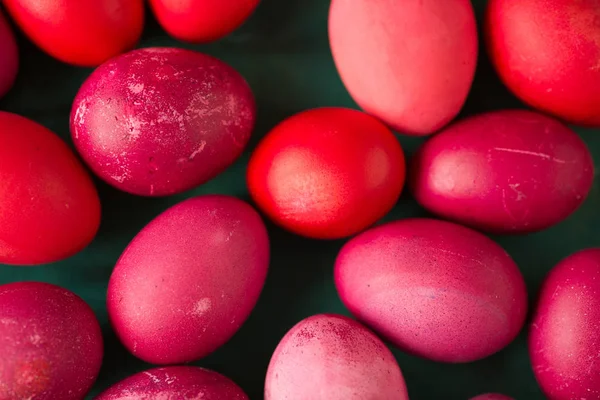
pixel 283 53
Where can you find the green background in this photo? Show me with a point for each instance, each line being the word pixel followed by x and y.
pixel 283 52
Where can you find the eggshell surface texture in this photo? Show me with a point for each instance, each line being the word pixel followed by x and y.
pixel 200 21
pixel 9 62
pixel 433 288
pixel 83 33
pixel 160 121
pixel 49 208
pixel 565 330
pixel 335 358
pixel 492 396
pixel 551 62
pixel 511 171
pixel 51 343
pixel 189 279
pixel 175 383
pixel 327 173
pixel 410 63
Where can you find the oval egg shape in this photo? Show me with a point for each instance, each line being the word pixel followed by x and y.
pixel 333 357
pixel 565 330
pixel 82 33
pixel 202 21
pixel 327 173
pixel 511 171
pixel 51 343
pixel 174 383
pixel 188 281
pixel 49 207
pixel 557 69
pixel 433 288
pixel 410 63
pixel 9 63
pixel 160 121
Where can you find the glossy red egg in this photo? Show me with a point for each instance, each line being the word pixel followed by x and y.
pixel 327 173
pixel 84 33
pixel 49 208
pixel 551 61
pixel 201 21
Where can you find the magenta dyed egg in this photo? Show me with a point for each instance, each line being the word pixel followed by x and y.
pixel 9 62
pixel 335 358
pixel 51 343
pixel 433 288
pixel 510 171
pixel 160 121
pixel 173 383
pixel 188 281
pixel 564 341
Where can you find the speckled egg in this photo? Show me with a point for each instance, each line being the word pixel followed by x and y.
pixel 507 171
pixel 160 121
pixel 51 343
pixel 188 281
pixel 174 383
pixel 433 288
pixel 564 341
pixel 333 357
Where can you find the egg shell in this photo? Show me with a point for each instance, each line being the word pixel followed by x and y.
pixel 51 343
pixel 201 21
pixel 49 207
pixel 333 357
pixel 433 288
pixel 82 33
pixel 492 396
pixel 410 63
pixel 9 62
pixel 551 62
pixel 160 121
pixel 174 383
pixel 327 173
pixel 564 340
pixel 188 281
pixel 510 171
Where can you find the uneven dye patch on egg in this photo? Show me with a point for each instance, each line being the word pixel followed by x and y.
pixel 159 121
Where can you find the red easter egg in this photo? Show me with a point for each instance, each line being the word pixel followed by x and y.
pixel 84 33
pixel 49 208
pixel 552 60
pixel 565 330
pixel 200 21
pixel 327 173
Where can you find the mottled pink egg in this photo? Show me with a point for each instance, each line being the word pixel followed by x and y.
pixel 433 288
pixel 174 383
pixel 333 357
pixel 564 341
pixel 9 62
pixel 492 396
pixel 509 171
pixel 410 63
pixel 50 341
pixel 188 281
pixel 160 121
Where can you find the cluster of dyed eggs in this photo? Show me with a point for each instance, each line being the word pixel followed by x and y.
pixel 160 121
